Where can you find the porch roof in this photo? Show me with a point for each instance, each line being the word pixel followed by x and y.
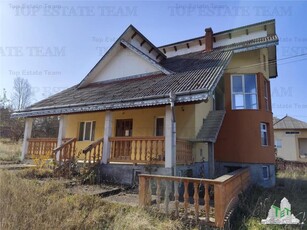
pixel 196 75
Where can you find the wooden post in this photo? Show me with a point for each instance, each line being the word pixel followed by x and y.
pixel 106 135
pixel 211 160
pixel 169 160
pixel 26 136
pixel 144 199
pixel 219 205
pixel 61 135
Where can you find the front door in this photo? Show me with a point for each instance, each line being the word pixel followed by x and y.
pixel 123 146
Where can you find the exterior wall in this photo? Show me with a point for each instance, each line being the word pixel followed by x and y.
pixel 239 138
pixel 255 172
pixel 73 124
pixel 125 63
pixel 290 146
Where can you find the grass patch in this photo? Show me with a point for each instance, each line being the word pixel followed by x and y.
pixel 254 204
pixel 9 150
pixel 29 204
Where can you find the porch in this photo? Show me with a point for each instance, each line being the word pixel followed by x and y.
pixel 129 150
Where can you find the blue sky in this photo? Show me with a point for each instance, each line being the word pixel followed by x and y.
pixel 55 44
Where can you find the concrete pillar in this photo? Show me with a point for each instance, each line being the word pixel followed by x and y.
pixel 106 135
pixel 26 135
pixel 169 158
pixel 211 160
pixel 61 134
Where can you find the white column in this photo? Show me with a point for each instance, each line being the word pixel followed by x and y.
pixel 107 133
pixel 169 159
pixel 26 135
pixel 61 134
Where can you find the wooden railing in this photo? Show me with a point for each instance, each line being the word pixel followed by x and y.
pixel 42 146
pixel 184 153
pixel 66 151
pixel 137 149
pixel 93 153
pixel 211 199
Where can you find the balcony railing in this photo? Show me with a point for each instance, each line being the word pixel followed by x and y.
pixel 208 200
pixel 42 146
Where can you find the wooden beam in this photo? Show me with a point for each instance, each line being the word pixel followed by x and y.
pixel 158 56
pixel 175 48
pixel 164 51
pixel 214 39
pixel 246 31
pixel 150 50
pixel 142 43
pixel 133 35
pixel 200 43
pixel 61 135
pixel 229 35
pixel 188 45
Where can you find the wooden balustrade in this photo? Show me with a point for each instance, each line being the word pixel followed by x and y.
pixel 42 146
pixel 137 149
pixel 195 194
pixel 93 153
pixel 184 153
pixel 66 151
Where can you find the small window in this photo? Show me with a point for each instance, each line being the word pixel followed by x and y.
pixel 244 91
pixel 87 131
pixel 292 132
pixel 159 126
pixel 278 143
pixel 265 172
pixel 264 134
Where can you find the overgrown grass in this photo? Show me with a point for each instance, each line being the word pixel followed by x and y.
pixel 255 203
pixel 9 150
pixel 30 204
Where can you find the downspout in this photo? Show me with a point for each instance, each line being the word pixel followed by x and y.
pixel 172 102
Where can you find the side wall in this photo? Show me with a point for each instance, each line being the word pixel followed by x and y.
pixel 290 146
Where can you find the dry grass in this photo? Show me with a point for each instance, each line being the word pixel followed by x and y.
pixel 30 204
pixel 9 150
pixel 254 204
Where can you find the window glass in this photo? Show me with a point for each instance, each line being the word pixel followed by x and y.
pixel 264 134
pixel 238 101
pixel 160 127
pixel 250 83
pixel 87 134
pixel 81 130
pixel 265 172
pixel 250 101
pixel 237 86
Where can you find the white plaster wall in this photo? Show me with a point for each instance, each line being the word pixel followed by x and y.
pixel 124 64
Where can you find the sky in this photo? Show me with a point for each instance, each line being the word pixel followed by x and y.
pixel 54 44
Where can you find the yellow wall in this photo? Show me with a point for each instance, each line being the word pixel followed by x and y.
pixel 189 119
pixel 290 146
pixel 72 123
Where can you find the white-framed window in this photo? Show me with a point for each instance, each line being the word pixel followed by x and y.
pixel 278 143
pixel 159 126
pixel 244 91
pixel 264 134
pixel 87 131
pixel 266 95
pixel 265 172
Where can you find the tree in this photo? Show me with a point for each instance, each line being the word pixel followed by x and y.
pixel 4 101
pixel 21 97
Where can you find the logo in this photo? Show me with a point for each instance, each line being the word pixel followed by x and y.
pixel 281 215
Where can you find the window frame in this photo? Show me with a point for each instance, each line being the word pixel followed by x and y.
pixel 267 172
pixel 266 95
pixel 84 130
pixel 264 131
pixel 243 92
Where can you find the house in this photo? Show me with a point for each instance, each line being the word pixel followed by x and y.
pixel 199 107
pixel 290 137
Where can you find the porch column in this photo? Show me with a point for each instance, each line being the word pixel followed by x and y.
pixel 211 160
pixel 26 135
pixel 107 133
pixel 61 134
pixel 169 158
